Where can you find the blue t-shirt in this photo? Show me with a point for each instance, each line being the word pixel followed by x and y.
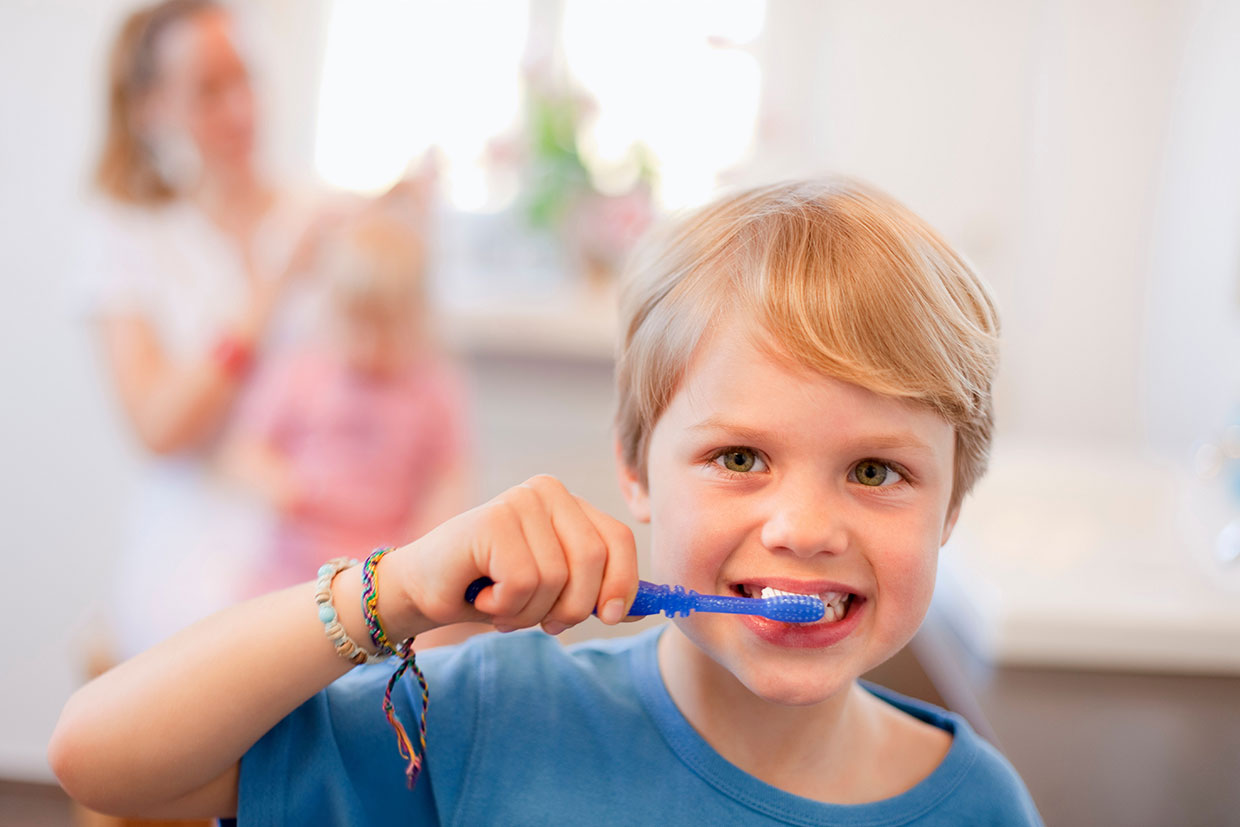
pixel 522 730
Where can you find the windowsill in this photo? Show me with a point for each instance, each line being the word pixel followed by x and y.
pixel 574 324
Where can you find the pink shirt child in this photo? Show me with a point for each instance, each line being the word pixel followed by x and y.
pixel 366 451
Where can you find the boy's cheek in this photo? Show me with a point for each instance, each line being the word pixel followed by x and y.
pixel 906 578
pixel 912 575
pixel 690 541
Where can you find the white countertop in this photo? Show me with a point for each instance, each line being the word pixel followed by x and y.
pixel 1088 559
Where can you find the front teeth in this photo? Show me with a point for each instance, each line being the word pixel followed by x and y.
pixel 835 604
pixel 770 591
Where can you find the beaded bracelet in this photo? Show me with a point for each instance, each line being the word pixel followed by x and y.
pixel 403 650
pixel 345 646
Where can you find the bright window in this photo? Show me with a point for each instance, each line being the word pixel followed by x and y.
pixel 673 77
pixel 674 83
pixel 400 77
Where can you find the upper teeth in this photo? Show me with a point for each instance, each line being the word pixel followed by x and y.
pixel 835 604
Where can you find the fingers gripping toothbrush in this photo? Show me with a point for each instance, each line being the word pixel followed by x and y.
pixel 677 600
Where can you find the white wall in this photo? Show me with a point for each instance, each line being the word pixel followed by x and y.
pixel 1032 135
pixel 1192 379
pixel 67 466
pixel 65 472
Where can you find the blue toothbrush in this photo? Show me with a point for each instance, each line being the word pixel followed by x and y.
pixel 673 600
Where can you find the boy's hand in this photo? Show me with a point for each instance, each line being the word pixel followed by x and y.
pixel 552 556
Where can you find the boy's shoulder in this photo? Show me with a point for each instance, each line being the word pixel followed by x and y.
pixel 974 783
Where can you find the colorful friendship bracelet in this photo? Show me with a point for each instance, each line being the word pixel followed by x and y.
pixel 370 603
pixel 345 646
pixel 403 650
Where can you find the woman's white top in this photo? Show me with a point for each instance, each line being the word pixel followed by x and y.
pixel 191 537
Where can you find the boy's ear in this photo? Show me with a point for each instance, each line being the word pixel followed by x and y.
pixel 631 488
pixel 950 524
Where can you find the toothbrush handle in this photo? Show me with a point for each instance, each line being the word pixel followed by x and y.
pixel 651 598
pixel 471 591
pixel 677 600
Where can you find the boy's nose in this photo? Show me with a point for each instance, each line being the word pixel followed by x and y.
pixel 805 521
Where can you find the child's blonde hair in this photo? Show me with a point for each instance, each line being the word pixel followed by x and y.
pixel 375 261
pixel 845 280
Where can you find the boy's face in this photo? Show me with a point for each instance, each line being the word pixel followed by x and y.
pixel 763 474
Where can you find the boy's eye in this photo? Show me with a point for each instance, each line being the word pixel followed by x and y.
pixel 875 474
pixel 740 461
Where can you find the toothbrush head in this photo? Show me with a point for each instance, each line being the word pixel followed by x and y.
pixel 791 608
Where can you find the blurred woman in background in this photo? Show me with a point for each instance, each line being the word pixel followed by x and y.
pixel 191 260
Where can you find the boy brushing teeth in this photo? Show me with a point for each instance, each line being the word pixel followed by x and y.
pixel 804 401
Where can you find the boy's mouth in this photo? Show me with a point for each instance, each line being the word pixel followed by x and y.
pixel 835 603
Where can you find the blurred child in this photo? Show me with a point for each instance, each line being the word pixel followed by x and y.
pixel 804 401
pixel 357 440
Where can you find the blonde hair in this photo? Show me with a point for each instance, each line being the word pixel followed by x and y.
pixel 126 169
pixel 846 282
pixel 375 261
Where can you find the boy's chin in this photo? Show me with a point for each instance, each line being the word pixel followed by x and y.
pixel 793 687
pixel 797 679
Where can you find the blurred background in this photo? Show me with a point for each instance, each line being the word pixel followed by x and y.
pixel 1083 155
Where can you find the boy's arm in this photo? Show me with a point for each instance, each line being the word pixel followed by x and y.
pixel 162 734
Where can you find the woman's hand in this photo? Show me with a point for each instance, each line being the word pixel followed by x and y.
pixel 553 558
pixel 267 290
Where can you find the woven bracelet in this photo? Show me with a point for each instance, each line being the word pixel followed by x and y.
pixel 403 650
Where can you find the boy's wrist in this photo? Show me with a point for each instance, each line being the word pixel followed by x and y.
pixel 347 600
pixel 335 623
pixel 400 616
pixel 397 606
